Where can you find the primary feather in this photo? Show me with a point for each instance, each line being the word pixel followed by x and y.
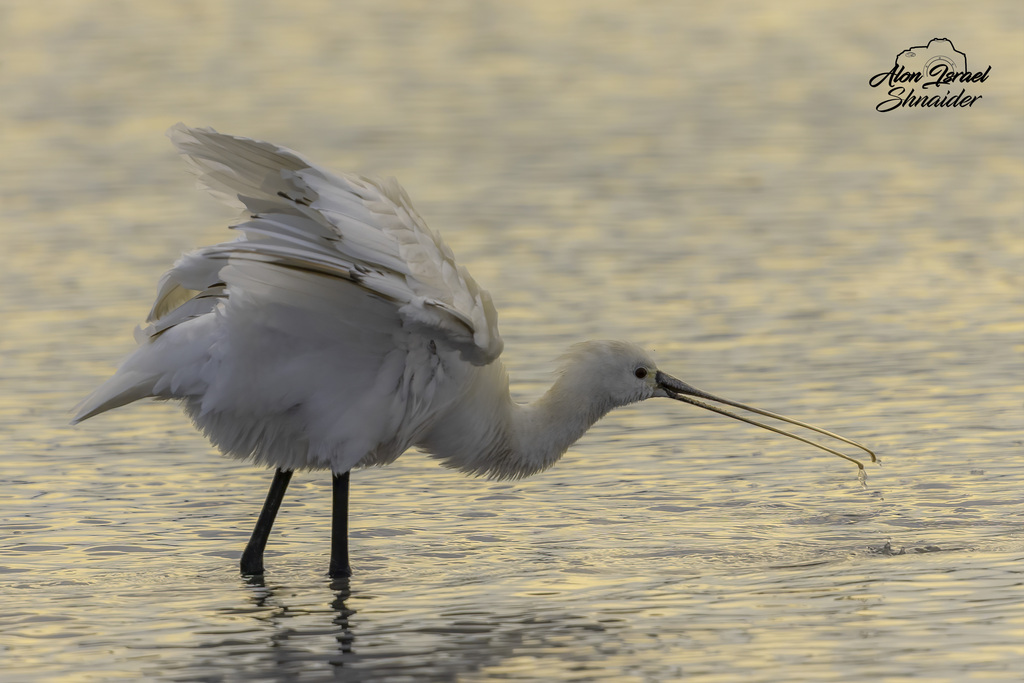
pixel 345 226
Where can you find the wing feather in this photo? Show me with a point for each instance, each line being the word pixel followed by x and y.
pixel 350 227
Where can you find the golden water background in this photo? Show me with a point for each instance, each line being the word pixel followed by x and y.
pixel 709 180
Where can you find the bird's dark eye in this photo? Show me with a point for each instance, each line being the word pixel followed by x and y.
pixel 640 373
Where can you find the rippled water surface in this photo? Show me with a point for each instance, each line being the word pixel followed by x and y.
pixel 711 181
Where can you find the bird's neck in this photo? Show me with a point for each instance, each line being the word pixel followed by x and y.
pixel 546 428
pixel 486 433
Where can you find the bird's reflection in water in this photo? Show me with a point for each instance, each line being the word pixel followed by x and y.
pixel 342 592
pixel 282 632
pixel 285 635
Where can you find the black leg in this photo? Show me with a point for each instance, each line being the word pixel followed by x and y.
pixel 252 557
pixel 339 529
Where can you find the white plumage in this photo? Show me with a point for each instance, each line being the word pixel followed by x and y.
pixel 337 331
pixel 332 331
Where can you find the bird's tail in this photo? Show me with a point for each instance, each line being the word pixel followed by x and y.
pixel 123 388
pixel 165 365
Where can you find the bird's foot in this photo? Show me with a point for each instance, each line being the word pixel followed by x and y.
pixel 339 570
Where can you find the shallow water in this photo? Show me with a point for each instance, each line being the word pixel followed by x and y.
pixel 713 183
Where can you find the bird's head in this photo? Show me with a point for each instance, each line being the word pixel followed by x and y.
pixel 615 373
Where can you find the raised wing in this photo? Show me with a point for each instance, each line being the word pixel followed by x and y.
pixel 305 218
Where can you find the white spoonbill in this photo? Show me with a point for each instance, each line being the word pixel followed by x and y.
pixel 337 331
